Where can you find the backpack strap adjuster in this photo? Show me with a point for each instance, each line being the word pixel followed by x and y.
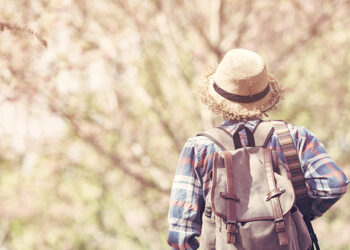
pixel 231 223
pixel 230 196
pixel 232 230
pixel 280 225
pixel 275 193
pixel 231 227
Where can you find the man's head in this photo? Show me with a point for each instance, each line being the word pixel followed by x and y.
pixel 240 87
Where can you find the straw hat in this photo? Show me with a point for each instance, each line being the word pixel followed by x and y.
pixel 240 87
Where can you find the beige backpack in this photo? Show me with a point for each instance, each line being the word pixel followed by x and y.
pixel 251 202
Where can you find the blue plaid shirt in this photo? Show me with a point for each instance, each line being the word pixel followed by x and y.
pixel 327 183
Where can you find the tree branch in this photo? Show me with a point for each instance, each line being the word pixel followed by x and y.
pixel 248 7
pixel 314 30
pixel 114 159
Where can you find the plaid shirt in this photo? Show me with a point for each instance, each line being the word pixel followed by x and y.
pixel 327 183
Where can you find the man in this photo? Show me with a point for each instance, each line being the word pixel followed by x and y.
pixel 242 91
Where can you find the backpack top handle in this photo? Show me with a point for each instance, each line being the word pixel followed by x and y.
pixel 237 139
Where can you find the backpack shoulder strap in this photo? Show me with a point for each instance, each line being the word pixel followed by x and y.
pixel 298 180
pixel 220 137
pixel 280 225
pixel 231 199
pixel 291 155
pixel 262 133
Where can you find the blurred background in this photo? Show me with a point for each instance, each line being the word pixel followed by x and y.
pixel 97 100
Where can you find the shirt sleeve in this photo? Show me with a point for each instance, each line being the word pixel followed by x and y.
pixel 326 181
pixel 186 200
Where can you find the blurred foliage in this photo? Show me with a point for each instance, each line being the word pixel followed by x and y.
pixel 97 101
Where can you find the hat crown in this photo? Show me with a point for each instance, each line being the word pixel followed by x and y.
pixel 241 72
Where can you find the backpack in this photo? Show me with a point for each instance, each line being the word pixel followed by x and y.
pixel 252 196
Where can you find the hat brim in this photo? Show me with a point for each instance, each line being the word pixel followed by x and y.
pixel 234 110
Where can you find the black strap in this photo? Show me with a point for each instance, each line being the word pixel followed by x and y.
pixel 304 206
pixel 312 234
pixel 237 139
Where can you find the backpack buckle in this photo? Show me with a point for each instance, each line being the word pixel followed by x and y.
pixel 232 230
pixel 231 226
pixel 280 225
pixel 275 193
pixel 229 196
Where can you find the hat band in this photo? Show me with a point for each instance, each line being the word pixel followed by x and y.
pixel 241 98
